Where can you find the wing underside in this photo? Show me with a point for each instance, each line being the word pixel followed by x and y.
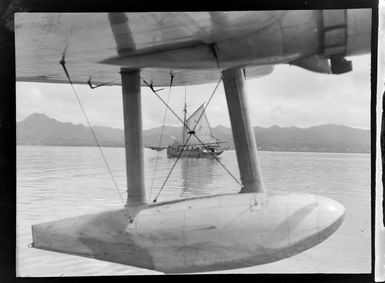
pixel 92 38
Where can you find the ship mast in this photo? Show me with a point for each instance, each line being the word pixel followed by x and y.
pixel 184 118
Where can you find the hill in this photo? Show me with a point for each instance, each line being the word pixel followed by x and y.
pixel 39 129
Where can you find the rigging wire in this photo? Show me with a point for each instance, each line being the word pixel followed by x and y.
pixel 185 112
pixel 62 62
pixel 192 133
pixel 172 168
pixel 161 134
pixel 176 161
pixel 216 158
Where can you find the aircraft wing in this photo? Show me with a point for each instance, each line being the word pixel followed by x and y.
pixel 90 38
pixel 195 46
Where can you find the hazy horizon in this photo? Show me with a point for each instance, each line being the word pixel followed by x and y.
pixel 168 125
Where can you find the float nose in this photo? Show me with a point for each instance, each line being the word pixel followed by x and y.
pixel 330 214
pixel 312 220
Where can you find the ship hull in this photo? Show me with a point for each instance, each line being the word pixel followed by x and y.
pixel 156 148
pixel 174 152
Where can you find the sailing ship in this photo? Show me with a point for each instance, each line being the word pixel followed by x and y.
pixel 198 140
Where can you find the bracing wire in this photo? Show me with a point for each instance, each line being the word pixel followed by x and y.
pixel 62 62
pixel 176 161
pixel 193 132
pixel 216 158
pixel 172 168
pixel 161 134
pixel 236 180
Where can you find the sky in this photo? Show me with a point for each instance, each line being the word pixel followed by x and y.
pixel 288 97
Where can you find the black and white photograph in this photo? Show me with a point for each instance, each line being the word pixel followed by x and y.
pixel 200 142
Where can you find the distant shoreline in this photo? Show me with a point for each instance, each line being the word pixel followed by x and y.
pixel 299 151
pixel 39 129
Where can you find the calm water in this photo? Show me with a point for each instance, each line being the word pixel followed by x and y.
pixel 59 182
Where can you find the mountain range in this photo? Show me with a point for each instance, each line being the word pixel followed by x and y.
pixel 39 129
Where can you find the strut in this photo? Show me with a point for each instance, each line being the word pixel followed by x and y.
pixel 133 137
pixel 244 139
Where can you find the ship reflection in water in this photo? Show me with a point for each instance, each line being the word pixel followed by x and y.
pixel 197 175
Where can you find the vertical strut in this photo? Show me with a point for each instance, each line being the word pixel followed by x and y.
pixel 243 134
pixel 136 194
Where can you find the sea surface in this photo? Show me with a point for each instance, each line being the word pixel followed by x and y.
pixel 58 182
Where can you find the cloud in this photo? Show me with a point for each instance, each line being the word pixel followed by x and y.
pixel 290 96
